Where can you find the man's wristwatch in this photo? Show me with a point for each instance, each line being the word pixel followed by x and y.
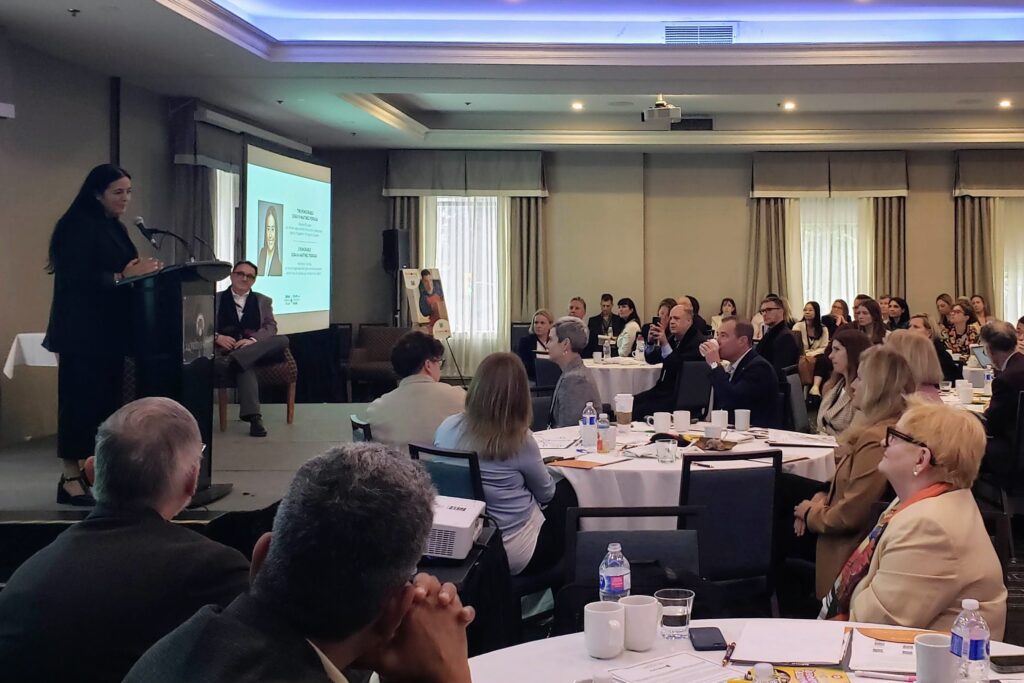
pixel 714 365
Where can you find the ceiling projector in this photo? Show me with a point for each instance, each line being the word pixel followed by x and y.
pixel 662 111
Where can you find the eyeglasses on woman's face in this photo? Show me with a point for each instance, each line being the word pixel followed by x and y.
pixel 891 433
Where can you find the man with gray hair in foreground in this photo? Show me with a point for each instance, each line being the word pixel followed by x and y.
pixel 85 607
pixel 331 588
pixel 1000 342
pixel 575 387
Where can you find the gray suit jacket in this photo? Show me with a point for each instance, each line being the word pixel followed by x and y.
pixel 574 389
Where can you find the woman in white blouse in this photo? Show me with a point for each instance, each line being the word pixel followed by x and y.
pixel 813 336
pixel 627 338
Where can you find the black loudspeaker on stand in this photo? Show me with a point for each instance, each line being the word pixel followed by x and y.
pixel 394 257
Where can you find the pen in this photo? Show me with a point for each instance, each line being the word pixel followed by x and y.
pixel 728 654
pixel 885 677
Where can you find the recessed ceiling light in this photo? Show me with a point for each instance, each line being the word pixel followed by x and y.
pixel 1005 104
pixel 577 106
pixel 789 105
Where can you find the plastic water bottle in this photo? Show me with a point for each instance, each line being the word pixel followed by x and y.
pixel 606 352
pixel 969 642
pixel 641 347
pixel 588 427
pixel 604 433
pixel 613 575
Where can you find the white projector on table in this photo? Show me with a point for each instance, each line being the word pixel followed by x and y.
pixel 457 524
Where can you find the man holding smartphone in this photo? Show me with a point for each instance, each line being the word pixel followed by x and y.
pixel 681 344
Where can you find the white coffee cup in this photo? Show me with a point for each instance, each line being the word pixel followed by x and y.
pixel 713 432
pixel 935 663
pixel 643 616
pixel 965 394
pixel 604 632
pixel 597 355
pixel 662 422
pixel 741 417
pixel 681 420
pixel 720 418
pixel 963 383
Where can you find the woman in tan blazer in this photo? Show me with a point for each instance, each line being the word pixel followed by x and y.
pixel 836 410
pixel 934 551
pixel 842 516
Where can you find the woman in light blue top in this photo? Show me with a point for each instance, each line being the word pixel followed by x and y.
pixel 496 424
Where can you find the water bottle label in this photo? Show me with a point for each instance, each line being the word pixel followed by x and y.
pixel 956 644
pixel 978 650
pixel 614 584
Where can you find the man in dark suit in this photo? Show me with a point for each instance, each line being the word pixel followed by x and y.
pixel 602 325
pixel 681 345
pixel 1000 342
pixel 751 382
pixel 246 335
pixel 331 588
pixel 778 346
pixel 85 607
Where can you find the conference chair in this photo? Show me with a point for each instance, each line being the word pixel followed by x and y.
pixel 656 557
pixel 548 373
pixel 541 412
pixel 342 334
pixel 370 359
pixel 797 408
pixel 737 546
pixel 361 430
pixel 454 473
pixel 519 330
pixel 277 373
pixel 693 389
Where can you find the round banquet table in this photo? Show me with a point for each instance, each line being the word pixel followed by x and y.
pixel 978 406
pixel 622 376
pixel 564 659
pixel 639 482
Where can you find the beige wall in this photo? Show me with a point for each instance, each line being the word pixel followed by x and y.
pixel 929 228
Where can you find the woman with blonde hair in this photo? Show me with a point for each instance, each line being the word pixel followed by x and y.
pixel 921 324
pixel 924 363
pixel 496 425
pixel 929 550
pixel 841 516
pixel 536 342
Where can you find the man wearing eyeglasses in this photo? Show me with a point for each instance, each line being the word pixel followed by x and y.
pixel 778 346
pixel 246 336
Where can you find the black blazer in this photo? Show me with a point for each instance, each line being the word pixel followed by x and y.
pixel 1001 414
pixel 85 607
pixel 685 349
pixel 526 349
pixel 779 347
pixel 88 314
pixel 754 386
pixel 272 268
pixel 595 326
pixel 951 372
pixel 246 641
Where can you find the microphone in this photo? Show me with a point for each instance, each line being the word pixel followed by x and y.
pixel 146 232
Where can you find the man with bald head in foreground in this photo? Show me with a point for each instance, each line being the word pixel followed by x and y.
pixel 681 343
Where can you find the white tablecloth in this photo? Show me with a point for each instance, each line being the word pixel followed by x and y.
pixel 951 399
pixel 564 659
pixel 645 482
pixel 27 349
pixel 622 376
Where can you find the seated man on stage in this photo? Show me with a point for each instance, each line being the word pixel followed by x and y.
pixel 331 588
pixel 85 607
pixel 680 345
pixel 246 335
pixel 751 382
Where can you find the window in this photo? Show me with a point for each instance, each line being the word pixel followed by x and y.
pixel 836 246
pixel 466 239
pixel 224 200
pixel 1009 245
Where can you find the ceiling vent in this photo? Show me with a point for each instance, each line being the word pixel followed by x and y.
pixel 699 33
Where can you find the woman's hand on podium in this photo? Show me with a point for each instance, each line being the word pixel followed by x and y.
pixel 141 267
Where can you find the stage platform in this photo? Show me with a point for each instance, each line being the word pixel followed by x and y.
pixel 259 468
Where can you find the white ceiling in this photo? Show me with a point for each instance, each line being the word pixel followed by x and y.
pixel 385 95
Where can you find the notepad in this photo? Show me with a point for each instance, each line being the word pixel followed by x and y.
pixel 791 641
pixel 678 667
pixel 870 651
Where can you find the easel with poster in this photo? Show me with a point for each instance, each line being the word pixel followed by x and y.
pixel 425 296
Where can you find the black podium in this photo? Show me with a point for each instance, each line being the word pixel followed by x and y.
pixel 173 315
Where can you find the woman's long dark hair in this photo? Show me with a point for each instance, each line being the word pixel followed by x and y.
pixel 816 322
pixel 633 315
pixel 904 320
pixel 876 330
pixel 84 206
pixel 722 305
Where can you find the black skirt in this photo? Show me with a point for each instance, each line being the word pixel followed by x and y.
pixel 89 390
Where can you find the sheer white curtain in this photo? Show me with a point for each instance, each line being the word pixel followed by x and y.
pixel 466 238
pixel 224 201
pixel 1008 254
pixel 836 250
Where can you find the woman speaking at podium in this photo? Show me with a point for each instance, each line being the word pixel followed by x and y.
pixel 90 326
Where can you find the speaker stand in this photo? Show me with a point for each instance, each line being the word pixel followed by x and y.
pixel 210 494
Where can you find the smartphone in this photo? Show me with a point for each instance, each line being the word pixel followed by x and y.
pixel 656 320
pixel 1007 664
pixel 707 638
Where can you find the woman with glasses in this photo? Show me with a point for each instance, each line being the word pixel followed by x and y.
pixel 840 516
pixel 929 549
pixel 961 334
pixel 90 318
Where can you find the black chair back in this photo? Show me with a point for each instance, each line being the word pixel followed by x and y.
pixel 454 473
pixel 737 533
pixel 548 373
pixel 541 411
pixel 519 330
pixel 693 388
pixel 797 404
pixel 342 341
pixel 1019 443
pixel 361 430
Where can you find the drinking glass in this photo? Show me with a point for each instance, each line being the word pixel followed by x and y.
pixel 676 605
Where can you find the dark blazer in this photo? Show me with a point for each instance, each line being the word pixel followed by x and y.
pixel 272 268
pixel 753 386
pixel 85 607
pixel 1001 414
pixel 88 314
pixel 779 347
pixel 246 641
pixel 684 349
pixel 951 372
pixel 526 349
pixel 595 326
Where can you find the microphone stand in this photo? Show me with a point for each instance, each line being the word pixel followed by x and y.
pixel 448 341
pixel 188 248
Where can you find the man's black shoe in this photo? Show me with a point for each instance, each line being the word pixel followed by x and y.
pixel 256 427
